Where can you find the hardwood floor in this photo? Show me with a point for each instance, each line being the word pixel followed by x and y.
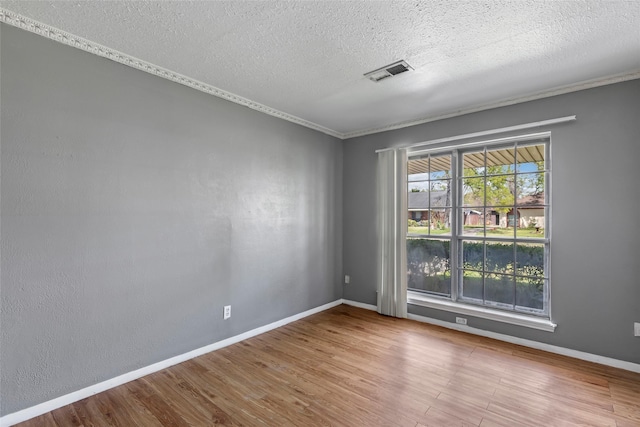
pixel 352 367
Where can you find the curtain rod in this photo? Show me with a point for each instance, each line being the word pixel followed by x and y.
pixel 488 132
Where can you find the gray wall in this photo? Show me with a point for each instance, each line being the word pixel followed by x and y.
pixel 595 280
pixel 133 209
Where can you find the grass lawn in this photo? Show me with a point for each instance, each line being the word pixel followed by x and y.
pixel 507 232
pixel 425 230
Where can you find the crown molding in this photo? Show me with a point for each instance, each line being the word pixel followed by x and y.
pixel 47 31
pixel 574 87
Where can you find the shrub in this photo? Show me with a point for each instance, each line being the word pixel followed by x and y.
pixel 428 268
pixel 428 265
pixel 500 258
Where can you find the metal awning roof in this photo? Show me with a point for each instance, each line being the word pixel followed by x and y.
pixel 506 156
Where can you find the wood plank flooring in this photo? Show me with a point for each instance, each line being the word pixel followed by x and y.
pixel 352 367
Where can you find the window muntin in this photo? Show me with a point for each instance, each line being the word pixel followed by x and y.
pixel 495 249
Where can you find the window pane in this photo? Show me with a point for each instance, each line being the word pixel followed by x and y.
pixel 501 161
pixel 473 221
pixel 418 222
pixel 473 164
pixel 440 167
pixel 428 266
pixel 472 284
pixel 498 288
pixel 500 190
pixel 418 169
pixel 531 222
pixel 441 221
pixel 418 205
pixel 495 222
pixel 530 158
pixel 473 255
pixel 500 257
pixel 441 193
pixel 530 259
pixel 530 293
pixel 530 189
pixel 473 191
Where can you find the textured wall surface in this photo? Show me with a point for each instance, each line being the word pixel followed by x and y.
pixel 595 198
pixel 133 209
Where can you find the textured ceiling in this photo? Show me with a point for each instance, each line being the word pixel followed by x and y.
pixel 307 58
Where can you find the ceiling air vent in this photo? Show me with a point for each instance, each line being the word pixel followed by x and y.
pixel 388 71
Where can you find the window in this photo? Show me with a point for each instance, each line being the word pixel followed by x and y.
pixel 483 237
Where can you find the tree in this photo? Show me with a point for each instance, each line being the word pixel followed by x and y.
pixel 531 183
pixel 492 190
pixel 442 183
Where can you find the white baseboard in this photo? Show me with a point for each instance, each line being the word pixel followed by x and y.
pixel 576 354
pixel 603 360
pixel 360 304
pixel 43 408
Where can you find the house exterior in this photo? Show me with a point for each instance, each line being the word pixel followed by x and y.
pixel 420 203
pixel 530 211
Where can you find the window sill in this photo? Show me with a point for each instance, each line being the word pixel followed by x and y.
pixel 416 298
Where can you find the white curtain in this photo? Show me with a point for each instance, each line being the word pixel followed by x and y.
pixel 392 228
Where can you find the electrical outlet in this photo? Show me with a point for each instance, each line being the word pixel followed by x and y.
pixel 461 321
pixel 636 329
pixel 347 279
pixel 227 312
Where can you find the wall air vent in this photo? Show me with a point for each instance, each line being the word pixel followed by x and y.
pixel 388 71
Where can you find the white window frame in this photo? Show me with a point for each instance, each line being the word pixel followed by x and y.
pixel 452 303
